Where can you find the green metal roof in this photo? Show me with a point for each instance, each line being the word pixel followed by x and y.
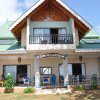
pixel 7 39
pixel 4 47
pixel 9 42
pixel 16 46
pixel 84 45
pixel 4 30
pixel 92 34
pixel 90 41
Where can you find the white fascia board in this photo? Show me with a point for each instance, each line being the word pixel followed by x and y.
pixel 13 52
pixel 39 3
pixel 87 50
pixel 75 14
pixel 26 14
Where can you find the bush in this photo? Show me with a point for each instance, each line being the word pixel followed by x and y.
pixel 9 84
pixel 79 87
pixel 29 90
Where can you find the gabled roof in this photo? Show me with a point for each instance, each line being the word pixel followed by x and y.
pixel 7 39
pixel 4 30
pixel 92 34
pixel 90 41
pixel 21 21
pixel 85 45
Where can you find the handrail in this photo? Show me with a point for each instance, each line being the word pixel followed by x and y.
pixel 51 39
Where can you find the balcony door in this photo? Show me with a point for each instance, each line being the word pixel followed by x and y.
pixel 48 36
pixel 54 35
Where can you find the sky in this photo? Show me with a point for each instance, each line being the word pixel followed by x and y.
pixel 88 9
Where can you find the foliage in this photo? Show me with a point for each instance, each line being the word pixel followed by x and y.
pixel 94 81
pixel 79 87
pixel 9 84
pixel 29 90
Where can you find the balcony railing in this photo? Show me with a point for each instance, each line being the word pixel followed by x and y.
pixel 51 39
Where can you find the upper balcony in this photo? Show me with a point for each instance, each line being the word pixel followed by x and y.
pixel 51 39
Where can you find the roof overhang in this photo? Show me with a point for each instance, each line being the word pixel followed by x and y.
pixel 21 21
pixel 75 14
pixel 10 52
pixel 87 51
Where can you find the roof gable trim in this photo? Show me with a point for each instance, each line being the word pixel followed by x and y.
pixel 75 14
pixel 39 3
pixel 25 14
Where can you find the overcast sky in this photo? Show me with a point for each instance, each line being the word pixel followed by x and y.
pixel 88 9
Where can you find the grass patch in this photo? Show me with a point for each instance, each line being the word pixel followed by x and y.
pixel 89 95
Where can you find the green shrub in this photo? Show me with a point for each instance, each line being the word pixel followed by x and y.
pixel 29 90
pixel 9 84
pixel 79 87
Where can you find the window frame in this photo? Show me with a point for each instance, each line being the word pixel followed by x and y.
pixel 45 67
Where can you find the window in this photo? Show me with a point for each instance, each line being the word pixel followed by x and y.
pixel 62 31
pixel 41 31
pixel 45 70
pixel 41 35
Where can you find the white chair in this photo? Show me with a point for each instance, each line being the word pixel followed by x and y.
pixel 26 81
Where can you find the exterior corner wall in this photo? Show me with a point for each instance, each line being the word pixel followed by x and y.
pixel 23 37
pixel 72 30
pixel 76 37
pixel 1 71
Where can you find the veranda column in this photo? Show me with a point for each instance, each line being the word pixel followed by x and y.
pixel 65 71
pixel 37 74
pixel 28 33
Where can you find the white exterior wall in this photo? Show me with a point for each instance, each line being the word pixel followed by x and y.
pixel 23 37
pixel 92 65
pixel 76 37
pixel 53 24
pixel 70 29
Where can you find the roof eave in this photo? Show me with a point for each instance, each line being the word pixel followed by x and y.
pixel 13 52
pixel 39 3
pixel 75 14
pixel 26 14
pixel 87 51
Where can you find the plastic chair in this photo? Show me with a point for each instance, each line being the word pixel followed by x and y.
pixel 46 80
pixel 26 81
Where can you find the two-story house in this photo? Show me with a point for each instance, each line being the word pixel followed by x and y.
pixel 50 39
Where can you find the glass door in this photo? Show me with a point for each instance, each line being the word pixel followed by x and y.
pixel 12 70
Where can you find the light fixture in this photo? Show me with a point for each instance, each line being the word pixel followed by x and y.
pixel 80 58
pixel 19 59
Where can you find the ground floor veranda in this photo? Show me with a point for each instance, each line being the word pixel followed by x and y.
pixel 49 71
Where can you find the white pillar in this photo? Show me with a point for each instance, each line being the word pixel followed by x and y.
pixel 65 71
pixel 28 33
pixel 72 30
pixel 37 73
